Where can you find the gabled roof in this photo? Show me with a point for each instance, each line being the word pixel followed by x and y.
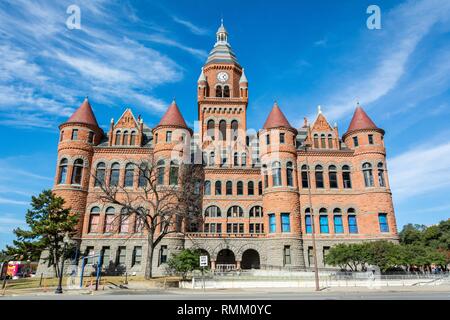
pixel 84 114
pixel 173 117
pixel 276 119
pixel 361 121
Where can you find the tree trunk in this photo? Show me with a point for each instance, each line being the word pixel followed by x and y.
pixel 150 251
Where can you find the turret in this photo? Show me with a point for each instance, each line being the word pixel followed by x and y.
pixel 78 135
pixel 278 153
pixel 202 86
pixel 243 86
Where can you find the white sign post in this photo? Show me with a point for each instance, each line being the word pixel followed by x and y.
pixel 203 264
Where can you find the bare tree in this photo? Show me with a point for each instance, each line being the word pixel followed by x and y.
pixel 158 208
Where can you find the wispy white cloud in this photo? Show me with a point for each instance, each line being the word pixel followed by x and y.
pixel 8 223
pixel 403 28
pixel 191 27
pixel 420 170
pixel 12 201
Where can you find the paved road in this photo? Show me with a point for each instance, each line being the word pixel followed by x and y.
pixel 242 295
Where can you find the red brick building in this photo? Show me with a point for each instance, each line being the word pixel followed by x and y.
pixel 257 195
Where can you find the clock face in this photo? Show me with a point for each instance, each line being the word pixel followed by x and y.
pixel 222 76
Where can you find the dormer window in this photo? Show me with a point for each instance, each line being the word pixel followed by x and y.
pixel 118 136
pixel 133 138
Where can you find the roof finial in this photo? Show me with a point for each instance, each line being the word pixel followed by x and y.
pixel 319 109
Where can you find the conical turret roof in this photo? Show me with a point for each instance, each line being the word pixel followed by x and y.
pixel 361 121
pixel 276 119
pixel 84 114
pixel 173 117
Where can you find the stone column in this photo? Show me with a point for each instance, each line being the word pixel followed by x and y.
pixel 213 265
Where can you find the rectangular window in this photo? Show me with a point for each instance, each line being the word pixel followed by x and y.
pixel 323 220
pixel 355 141
pixel 352 224
pixel 319 180
pixel 61 137
pixel 137 256
pixel 241 228
pixel 347 180
pixel 282 137
pixel 304 179
pixel 109 220
pixel 338 226
pixel 121 255
pixel 93 223
pixel 267 139
pixel 370 138
pixel 333 180
pixel 310 257
pixel 285 223
pixel 382 219
pixel 75 134
pixel 124 219
pixel 169 136
pixel 272 223
pixel 251 228
pixel 308 224
pixel 106 257
pixel 325 251
pixel 287 255
pixel 89 253
pixel 229 225
pixel 163 255
pixel 90 137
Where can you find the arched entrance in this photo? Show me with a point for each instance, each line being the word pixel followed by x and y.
pixel 226 261
pixel 250 259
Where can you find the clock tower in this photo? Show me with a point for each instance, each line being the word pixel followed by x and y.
pixel 222 103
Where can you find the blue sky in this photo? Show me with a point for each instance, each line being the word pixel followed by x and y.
pixel 141 54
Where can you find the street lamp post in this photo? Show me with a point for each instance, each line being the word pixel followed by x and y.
pixel 59 289
pixel 311 212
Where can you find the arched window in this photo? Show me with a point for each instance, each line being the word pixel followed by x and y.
pixel 346 177
pixel 207 188
pixel 213 212
pixel 226 91
pixel 235 211
pixel 276 174
pixel 109 219
pixel 218 188
pixel 125 138
pixel 337 221
pixel 210 129
pixel 114 175
pixel 62 175
pixel 211 158
pixel 266 177
pixel 222 130
pixel 381 182
pixel 305 179
pixel 308 221
pixel 94 220
pixel 124 221
pixel 129 175
pixel 260 188
pixel 77 172
pixel 100 174
pixel 256 212
pixel 316 141
pixel 229 188
pixel 133 138
pixel 144 175
pixel 173 174
pixel 236 159
pixel 243 159
pixel 368 176
pixel 139 218
pixel 234 130
pixel 160 168
pixel 323 141
pixel 251 188
pixel 219 91
pixel 332 176
pixel 118 136
pixel 352 222
pixel 289 174
pixel 240 188
pixel 330 141
pixel 323 221
pixel 319 177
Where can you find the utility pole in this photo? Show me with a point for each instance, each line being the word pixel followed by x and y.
pixel 311 212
